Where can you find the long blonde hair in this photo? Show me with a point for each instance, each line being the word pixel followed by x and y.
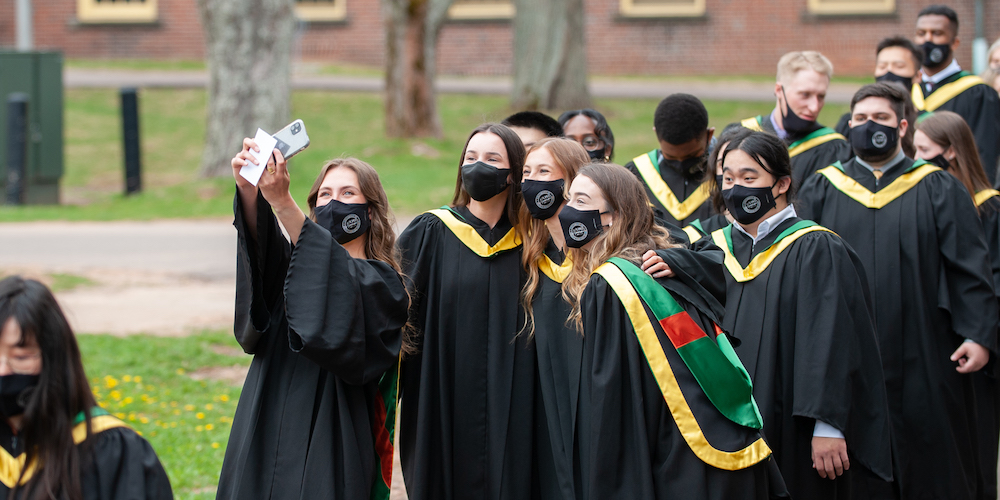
pixel 380 240
pixel 569 156
pixel 633 232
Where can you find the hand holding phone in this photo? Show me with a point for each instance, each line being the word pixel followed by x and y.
pixel 292 139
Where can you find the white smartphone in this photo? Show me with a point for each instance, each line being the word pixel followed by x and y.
pixel 292 139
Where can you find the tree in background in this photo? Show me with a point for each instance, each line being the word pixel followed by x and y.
pixel 411 34
pixel 248 48
pixel 550 55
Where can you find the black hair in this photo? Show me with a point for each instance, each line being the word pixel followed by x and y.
pixel 515 156
pixel 916 53
pixel 734 132
pixel 769 152
pixel 62 392
pixel 600 126
pixel 680 118
pixel 535 120
pixel 894 93
pixel 942 10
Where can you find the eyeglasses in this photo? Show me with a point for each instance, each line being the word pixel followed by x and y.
pixel 591 143
pixel 23 364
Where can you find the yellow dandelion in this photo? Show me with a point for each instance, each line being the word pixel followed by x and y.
pixel 128 400
pixel 176 412
pixel 199 428
pixel 116 395
pixel 126 378
pixel 189 407
pixel 209 406
pixel 102 404
pixel 144 420
pixel 149 387
pixel 180 371
pixel 173 404
pixel 138 432
pixel 163 404
pixel 173 424
pixel 209 427
pixel 110 381
pixel 120 415
pixel 224 397
pixel 137 379
pixel 199 415
pixel 144 398
pixel 215 445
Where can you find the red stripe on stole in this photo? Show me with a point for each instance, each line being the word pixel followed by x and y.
pixel 681 329
pixel 383 443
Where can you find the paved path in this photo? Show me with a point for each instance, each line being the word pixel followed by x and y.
pixel 599 87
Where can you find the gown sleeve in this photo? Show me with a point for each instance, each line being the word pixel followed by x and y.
pixel 127 468
pixel 700 268
pixel 344 314
pixel 968 282
pixel 260 272
pixel 416 245
pixel 809 200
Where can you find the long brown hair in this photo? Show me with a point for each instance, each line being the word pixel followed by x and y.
pixel 949 130
pixel 62 392
pixel 515 156
pixel 380 240
pixel 569 156
pixel 633 233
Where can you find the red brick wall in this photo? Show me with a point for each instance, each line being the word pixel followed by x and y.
pixel 731 38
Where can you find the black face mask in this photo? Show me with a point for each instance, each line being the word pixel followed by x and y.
pixel 936 55
pixel 891 77
pixel 746 204
pixel 580 226
pixel 345 221
pixel 792 122
pixel 15 391
pixel 543 198
pixel 483 181
pixel 689 167
pixel 940 161
pixel 873 141
pixel 597 154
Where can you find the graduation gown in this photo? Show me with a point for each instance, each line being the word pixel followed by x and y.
pixel 917 234
pixel 985 380
pixel 810 150
pixel 559 351
pixel 115 462
pixel 325 330
pixel 969 96
pixel 467 396
pixel 805 335
pixel 628 441
pixel 701 228
pixel 677 197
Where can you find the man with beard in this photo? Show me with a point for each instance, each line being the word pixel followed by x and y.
pixel 916 231
pixel 673 175
pixel 945 86
pixel 800 90
pixel 897 60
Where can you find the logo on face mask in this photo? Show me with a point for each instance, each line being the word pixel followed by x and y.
pixel 545 199
pixel 879 139
pixel 751 204
pixel 936 55
pixel 351 224
pixel 578 231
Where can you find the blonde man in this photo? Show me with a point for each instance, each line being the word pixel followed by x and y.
pixel 800 91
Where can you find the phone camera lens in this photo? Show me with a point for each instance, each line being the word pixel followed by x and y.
pixel 296 128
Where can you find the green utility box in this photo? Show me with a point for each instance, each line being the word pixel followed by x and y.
pixel 39 75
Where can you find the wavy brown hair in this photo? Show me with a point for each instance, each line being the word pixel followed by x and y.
pixel 515 157
pixel 632 233
pixel 62 393
pixel 380 240
pixel 569 156
pixel 949 130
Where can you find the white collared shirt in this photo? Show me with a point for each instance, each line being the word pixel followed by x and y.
pixel 938 77
pixel 782 134
pixel 768 224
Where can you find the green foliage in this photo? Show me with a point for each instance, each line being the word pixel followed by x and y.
pixel 146 382
pixel 62 282
pixel 417 173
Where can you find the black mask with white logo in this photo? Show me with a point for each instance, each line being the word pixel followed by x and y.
pixel 689 167
pixel 483 181
pixel 580 226
pixel 15 391
pixel 873 141
pixel 891 77
pixel 748 204
pixel 940 161
pixel 542 198
pixel 936 55
pixel 793 123
pixel 345 221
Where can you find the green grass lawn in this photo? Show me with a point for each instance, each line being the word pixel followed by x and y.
pixel 418 174
pixel 146 382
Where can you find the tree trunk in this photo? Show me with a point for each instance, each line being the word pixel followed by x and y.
pixel 550 55
pixel 248 45
pixel 411 31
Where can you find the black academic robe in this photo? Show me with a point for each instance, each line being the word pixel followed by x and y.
pixel 806 337
pixel 559 351
pixel 115 464
pixel 682 184
pixel 703 227
pixel 807 159
pixel 627 442
pixel 985 380
pixel 323 329
pixel 980 106
pixel 467 396
pixel 927 266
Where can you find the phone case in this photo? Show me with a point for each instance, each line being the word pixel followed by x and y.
pixel 292 139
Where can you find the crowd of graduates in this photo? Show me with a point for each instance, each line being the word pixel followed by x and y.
pixel 784 310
